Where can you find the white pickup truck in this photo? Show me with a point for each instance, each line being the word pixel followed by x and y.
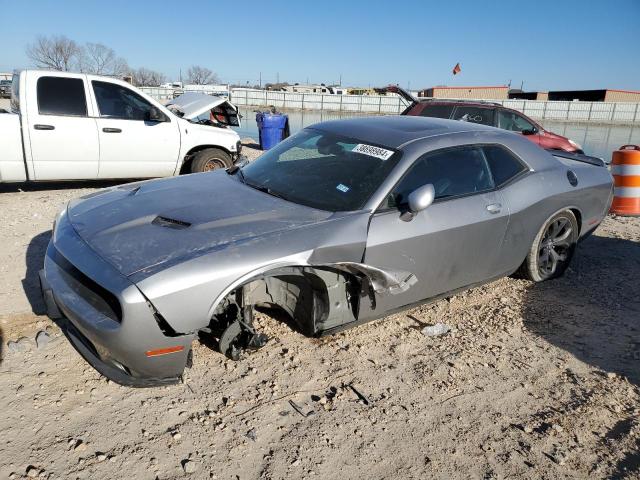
pixel 72 126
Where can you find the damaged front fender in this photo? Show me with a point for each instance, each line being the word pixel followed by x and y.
pixel 382 281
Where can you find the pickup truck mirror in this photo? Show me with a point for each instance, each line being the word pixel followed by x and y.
pixel 155 115
pixel 530 131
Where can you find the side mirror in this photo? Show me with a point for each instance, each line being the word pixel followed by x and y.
pixel 421 198
pixel 418 200
pixel 530 131
pixel 155 115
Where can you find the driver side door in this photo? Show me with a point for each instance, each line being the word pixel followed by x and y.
pixel 454 242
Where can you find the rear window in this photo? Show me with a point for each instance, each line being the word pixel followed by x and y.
pixel 61 96
pixel 504 164
pixel 474 114
pixel 437 111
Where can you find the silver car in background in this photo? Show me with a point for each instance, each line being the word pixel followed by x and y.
pixel 343 223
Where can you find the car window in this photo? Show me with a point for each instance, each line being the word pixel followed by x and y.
pixel 473 114
pixel 116 101
pixel 437 111
pixel 504 165
pixel 512 121
pixel 322 170
pixel 452 172
pixel 61 96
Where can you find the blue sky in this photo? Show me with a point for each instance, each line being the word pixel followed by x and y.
pixel 547 44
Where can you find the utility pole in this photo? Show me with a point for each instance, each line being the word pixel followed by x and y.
pixel 340 80
pixel 180 75
pixel 278 77
pixel 260 81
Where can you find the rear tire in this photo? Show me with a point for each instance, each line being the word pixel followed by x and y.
pixel 552 249
pixel 210 159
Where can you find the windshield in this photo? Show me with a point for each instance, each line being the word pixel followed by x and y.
pixel 322 170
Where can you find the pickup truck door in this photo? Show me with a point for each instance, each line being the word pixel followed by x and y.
pixel 131 144
pixel 61 135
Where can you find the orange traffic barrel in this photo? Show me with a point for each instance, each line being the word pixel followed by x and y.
pixel 625 168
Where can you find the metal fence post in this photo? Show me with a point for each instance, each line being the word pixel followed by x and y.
pixel 302 108
pixel 568 109
pixel 544 110
pixel 321 103
pixel 590 109
pixel 379 103
pixel 635 115
pixel 341 102
pixel 613 112
pixel 360 104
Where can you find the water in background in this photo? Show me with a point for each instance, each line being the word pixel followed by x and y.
pixel 597 140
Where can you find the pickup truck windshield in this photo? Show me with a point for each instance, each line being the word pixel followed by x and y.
pixel 322 170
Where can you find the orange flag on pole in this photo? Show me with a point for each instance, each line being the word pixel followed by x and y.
pixel 456 69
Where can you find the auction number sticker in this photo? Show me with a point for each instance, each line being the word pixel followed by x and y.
pixel 381 153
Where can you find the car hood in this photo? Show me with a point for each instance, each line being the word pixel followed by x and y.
pixel 192 104
pixel 156 224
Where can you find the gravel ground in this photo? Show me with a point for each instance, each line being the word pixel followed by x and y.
pixel 533 381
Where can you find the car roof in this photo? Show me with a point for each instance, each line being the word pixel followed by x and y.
pixel 394 131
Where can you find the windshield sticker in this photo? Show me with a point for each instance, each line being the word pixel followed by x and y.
pixel 342 188
pixel 372 151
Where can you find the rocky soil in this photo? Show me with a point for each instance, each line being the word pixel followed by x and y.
pixel 532 381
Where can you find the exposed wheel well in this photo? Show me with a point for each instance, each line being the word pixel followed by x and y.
pixel 186 161
pixel 315 298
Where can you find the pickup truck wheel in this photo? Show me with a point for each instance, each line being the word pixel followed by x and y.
pixel 552 249
pixel 210 159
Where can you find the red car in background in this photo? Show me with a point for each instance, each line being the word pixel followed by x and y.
pixel 487 113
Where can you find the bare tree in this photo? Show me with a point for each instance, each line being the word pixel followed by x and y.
pixel 99 59
pixel 55 53
pixel 197 75
pixel 143 77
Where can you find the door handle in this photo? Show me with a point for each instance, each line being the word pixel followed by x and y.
pixel 39 126
pixel 494 208
pixel 112 130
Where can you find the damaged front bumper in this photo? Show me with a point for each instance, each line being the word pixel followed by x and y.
pixel 110 322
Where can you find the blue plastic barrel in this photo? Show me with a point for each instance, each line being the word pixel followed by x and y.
pixel 272 128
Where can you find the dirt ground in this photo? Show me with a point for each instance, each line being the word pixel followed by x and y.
pixel 534 381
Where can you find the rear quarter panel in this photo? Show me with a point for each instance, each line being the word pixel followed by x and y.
pixel 12 167
pixel 536 197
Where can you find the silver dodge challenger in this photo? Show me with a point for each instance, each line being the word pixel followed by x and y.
pixel 343 223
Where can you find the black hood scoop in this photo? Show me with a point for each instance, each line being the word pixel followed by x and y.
pixel 170 223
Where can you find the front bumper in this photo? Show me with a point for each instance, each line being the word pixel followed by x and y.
pixel 110 322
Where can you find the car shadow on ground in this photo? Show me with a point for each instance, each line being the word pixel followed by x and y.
pixel 593 313
pixel 34 260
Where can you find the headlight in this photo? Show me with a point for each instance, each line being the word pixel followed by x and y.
pixel 575 144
